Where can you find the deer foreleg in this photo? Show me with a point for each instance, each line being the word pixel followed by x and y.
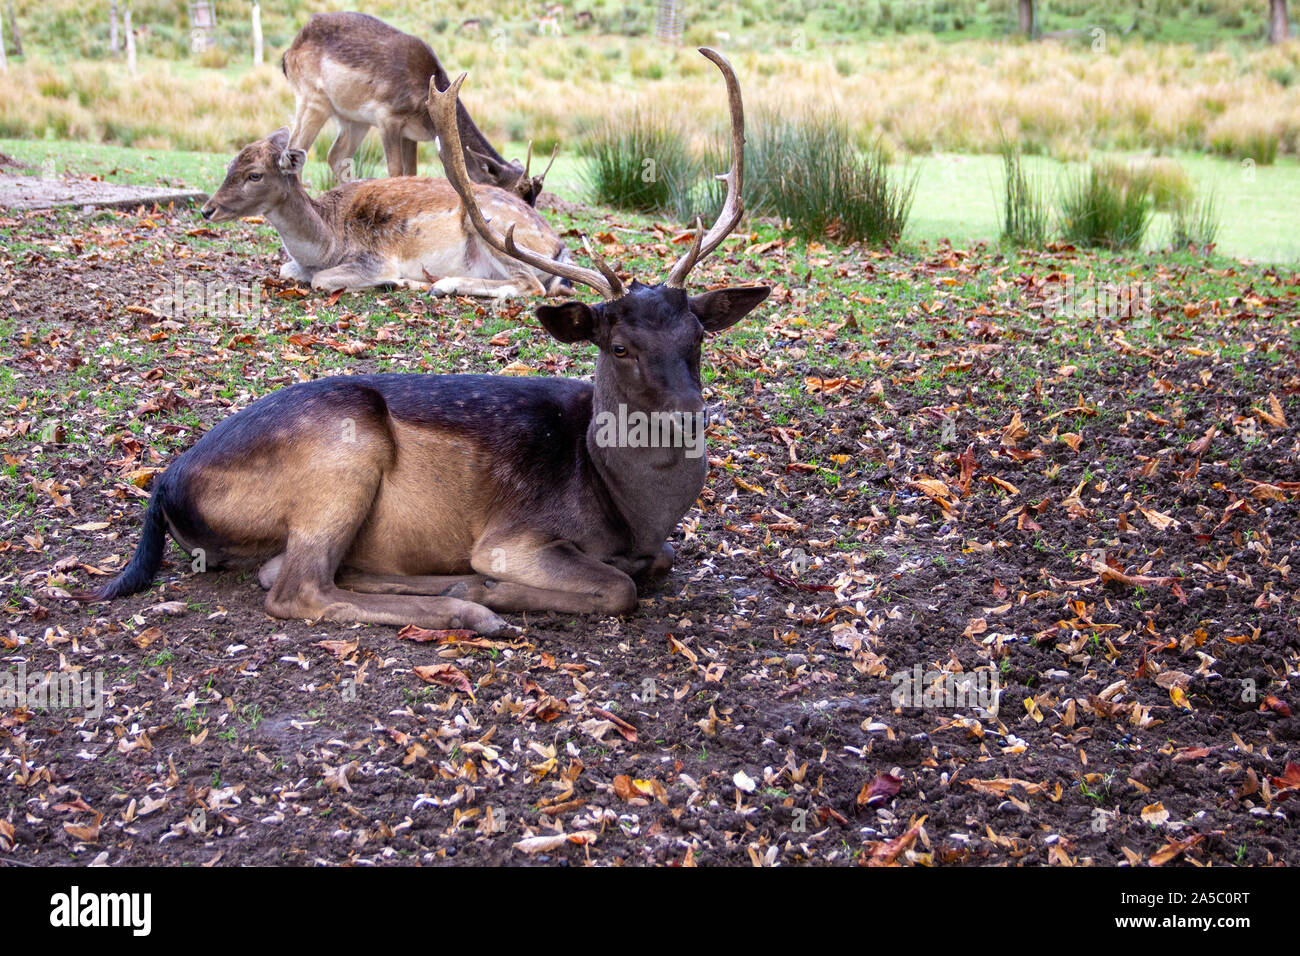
pixel 467 587
pixel 348 276
pixel 346 144
pixel 523 285
pixel 308 118
pixel 556 576
pixel 410 156
pixel 393 149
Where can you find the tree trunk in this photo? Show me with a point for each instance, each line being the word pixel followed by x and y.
pixel 1027 18
pixel 13 28
pixel 4 64
pixel 114 41
pixel 257 35
pixel 1279 28
pixel 130 40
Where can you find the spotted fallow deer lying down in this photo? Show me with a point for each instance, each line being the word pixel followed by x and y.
pixel 408 232
pixel 439 500
pixel 363 73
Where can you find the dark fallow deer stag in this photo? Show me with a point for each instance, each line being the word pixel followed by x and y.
pixel 363 73
pixel 439 500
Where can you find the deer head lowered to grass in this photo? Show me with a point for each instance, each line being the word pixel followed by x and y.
pixel 363 73
pixel 407 231
pixel 440 500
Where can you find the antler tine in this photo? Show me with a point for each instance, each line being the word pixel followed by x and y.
pixel 442 110
pixel 605 268
pixel 528 160
pixel 542 178
pixel 687 262
pixel 733 206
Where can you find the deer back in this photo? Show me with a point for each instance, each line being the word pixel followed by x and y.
pixel 364 68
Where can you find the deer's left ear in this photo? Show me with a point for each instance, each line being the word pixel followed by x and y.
pixel 723 308
pixel 569 322
pixel 494 169
pixel 292 162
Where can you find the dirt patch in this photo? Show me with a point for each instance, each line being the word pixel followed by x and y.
pixel 35 192
pixel 1095 517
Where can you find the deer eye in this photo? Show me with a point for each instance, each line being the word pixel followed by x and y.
pixel 620 351
pixel 254 177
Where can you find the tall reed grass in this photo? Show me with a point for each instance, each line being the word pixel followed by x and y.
pixel 1195 223
pixel 643 163
pixel 807 170
pixel 1100 207
pixel 1025 208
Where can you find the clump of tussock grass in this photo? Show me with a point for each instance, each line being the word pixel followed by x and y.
pixel 807 171
pixel 1100 209
pixel 644 163
pixel 1165 181
pixel 1194 224
pixel 1025 209
pixel 701 195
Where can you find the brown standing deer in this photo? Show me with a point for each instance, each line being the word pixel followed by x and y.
pixel 363 73
pixel 440 500
pixel 409 231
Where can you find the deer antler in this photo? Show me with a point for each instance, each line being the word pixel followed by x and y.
pixel 542 178
pixel 733 206
pixel 442 110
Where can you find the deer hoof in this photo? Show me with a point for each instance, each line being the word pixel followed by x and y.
pixel 490 625
pixel 269 572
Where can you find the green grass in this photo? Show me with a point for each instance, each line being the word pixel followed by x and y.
pixel 956 195
pixel 957 198
pixel 154 167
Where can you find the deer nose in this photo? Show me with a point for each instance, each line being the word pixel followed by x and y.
pixel 685 403
pixel 207 210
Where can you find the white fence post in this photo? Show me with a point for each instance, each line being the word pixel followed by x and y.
pixel 130 40
pixel 257 34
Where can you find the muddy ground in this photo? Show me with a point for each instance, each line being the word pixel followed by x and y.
pixel 921 465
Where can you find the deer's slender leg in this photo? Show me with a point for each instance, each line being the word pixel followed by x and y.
pixel 346 144
pixel 392 139
pixel 326 602
pixel 489 288
pixel 308 118
pixel 467 587
pixel 410 156
pixel 346 276
pixel 554 576
pixel 305 588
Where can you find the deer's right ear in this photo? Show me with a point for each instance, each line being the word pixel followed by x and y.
pixel 569 322
pixel 279 139
pixel 292 162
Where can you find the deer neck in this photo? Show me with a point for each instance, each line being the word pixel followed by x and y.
pixel 652 483
pixel 303 229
